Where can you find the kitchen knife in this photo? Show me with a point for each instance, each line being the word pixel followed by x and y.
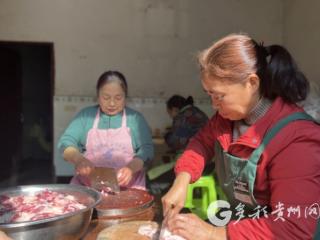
pixel 104 178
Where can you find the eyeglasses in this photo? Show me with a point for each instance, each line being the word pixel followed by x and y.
pixel 115 99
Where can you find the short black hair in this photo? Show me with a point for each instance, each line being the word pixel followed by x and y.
pixel 179 102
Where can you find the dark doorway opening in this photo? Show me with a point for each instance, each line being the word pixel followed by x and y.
pixel 26 122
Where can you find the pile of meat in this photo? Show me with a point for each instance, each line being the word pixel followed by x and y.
pixel 44 204
pixel 165 234
pixel 152 233
pixel 149 230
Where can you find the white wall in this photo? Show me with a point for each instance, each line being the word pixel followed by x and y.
pixel 152 41
pixel 302 37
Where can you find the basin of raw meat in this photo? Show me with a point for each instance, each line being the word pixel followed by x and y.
pixel 37 206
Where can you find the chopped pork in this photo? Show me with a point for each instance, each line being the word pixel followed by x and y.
pixel 148 230
pixel 167 235
pixel 44 204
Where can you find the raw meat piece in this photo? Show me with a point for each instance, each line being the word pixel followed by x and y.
pixel 167 235
pixel 44 204
pixel 148 230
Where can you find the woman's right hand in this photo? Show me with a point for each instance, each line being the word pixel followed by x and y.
pixel 175 198
pixel 82 165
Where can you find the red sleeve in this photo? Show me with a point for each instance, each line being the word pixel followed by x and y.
pixel 198 151
pixel 294 180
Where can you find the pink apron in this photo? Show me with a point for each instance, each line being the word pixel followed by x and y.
pixel 110 148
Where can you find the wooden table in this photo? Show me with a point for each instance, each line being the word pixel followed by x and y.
pixel 98 224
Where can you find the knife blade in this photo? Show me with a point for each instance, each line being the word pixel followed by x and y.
pixel 103 178
pixel 161 234
pixel 163 227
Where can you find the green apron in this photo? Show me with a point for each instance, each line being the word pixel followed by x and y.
pixel 317 235
pixel 237 176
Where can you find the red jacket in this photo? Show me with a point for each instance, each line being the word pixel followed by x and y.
pixel 288 172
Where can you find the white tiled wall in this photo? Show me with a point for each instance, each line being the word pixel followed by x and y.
pixel 153 109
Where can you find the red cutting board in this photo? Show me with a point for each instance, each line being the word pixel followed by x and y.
pixel 125 230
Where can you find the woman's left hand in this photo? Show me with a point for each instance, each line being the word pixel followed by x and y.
pixel 126 173
pixel 124 176
pixel 191 227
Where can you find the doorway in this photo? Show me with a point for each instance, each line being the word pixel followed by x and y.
pixel 26 122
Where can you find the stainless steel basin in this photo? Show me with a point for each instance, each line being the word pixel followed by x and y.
pixel 64 227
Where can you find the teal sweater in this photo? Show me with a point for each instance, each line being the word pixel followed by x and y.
pixel 76 133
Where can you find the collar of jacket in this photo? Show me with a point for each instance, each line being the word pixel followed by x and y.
pixel 253 136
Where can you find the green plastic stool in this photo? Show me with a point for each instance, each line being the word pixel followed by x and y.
pixel 199 204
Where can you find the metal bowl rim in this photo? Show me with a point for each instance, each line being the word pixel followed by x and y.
pixel 52 219
pixel 111 212
pixel 127 210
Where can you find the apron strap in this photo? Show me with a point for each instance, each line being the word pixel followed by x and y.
pixel 96 120
pixel 124 118
pixel 256 154
pixel 317 234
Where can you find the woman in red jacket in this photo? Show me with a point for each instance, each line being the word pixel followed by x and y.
pixel 266 148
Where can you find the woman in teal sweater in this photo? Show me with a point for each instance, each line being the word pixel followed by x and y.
pixel 109 135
